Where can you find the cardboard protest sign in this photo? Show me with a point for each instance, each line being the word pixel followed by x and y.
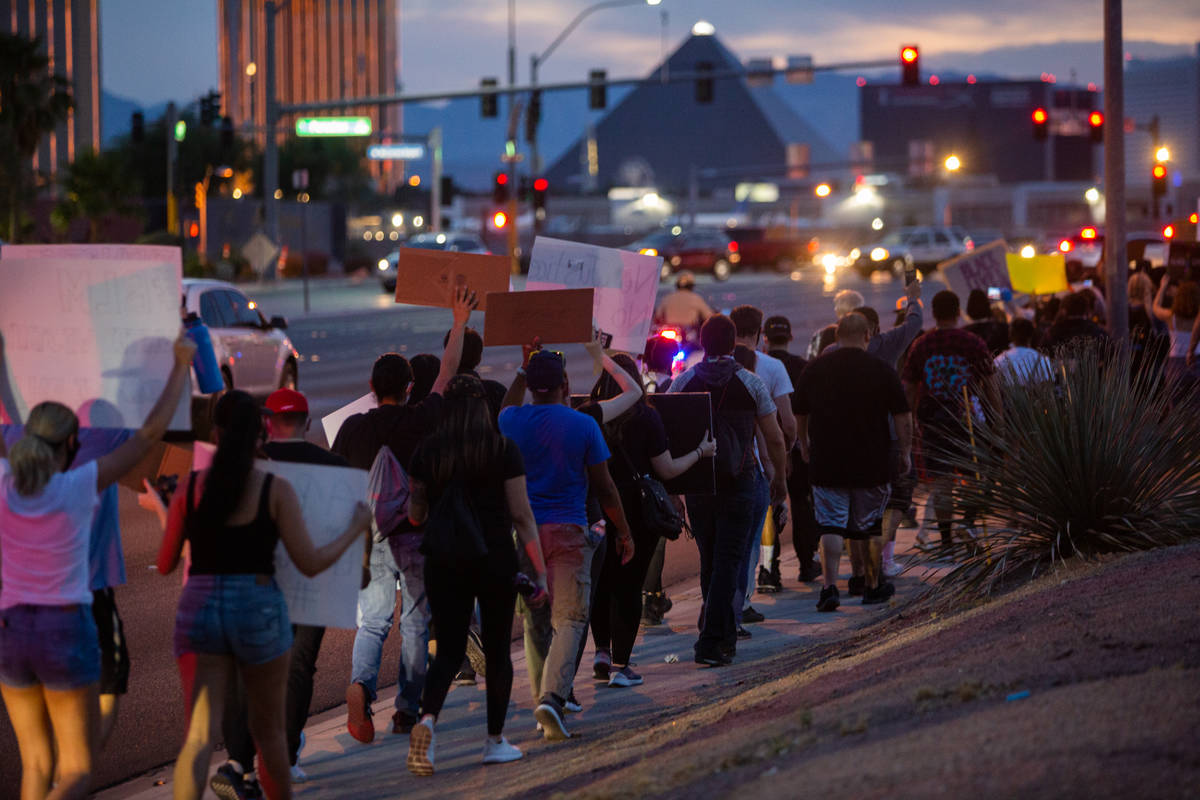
pixel 626 284
pixel 332 423
pixel 164 459
pixel 686 416
pixel 92 327
pixel 428 277
pixel 1043 274
pixel 557 317
pixel 982 268
pixel 327 496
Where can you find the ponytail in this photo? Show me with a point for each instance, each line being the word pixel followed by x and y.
pixel 34 459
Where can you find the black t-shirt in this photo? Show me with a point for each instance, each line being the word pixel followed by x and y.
pixel 993 332
pixel 639 433
pixel 486 489
pixel 848 396
pixel 794 365
pixel 302 453
pixel 401 428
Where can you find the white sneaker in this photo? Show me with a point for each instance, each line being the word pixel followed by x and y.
pixel 420 749
pixel 500 752
pixel 298 775
pixel 624 677
pixel 891 569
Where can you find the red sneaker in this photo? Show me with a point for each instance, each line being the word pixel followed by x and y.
pixel 358 707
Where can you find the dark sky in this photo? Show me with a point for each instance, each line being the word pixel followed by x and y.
pixel 154 50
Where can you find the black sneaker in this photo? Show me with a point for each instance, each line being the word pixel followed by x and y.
pixel 767 583
pixel 403 722
pixel 713 659
pixel 856 585
pixel 229 784
pixel 465 677
pixel 571 705
pixel 750 615
pixel 878 595
pixel 742 633
pixel 809 572
pixel 829 599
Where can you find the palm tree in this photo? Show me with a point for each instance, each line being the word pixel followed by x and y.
pixel 32 103
pixel 94 185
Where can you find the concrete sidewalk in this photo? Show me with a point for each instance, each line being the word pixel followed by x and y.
pixel 339 766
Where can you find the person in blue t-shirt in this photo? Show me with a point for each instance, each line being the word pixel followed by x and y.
pixel 564 452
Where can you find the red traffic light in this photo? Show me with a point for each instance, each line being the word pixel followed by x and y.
pixel 501 179
pixel 1194 218
pixel 1066 246
pixel 1095 119
pixel 910 65
pixel 500 219
pixel 908 55
pixel 1040 116
pixel 541 185
pixel 1159 171
pixel 194 230
pixel 1169 232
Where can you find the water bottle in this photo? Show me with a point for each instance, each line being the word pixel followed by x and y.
pixel 208 374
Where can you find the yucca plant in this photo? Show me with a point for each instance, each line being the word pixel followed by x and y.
pixel 1105 459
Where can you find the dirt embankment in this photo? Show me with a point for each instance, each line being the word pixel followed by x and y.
pixel 1085 683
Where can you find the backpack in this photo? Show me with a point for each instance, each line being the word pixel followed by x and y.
pixel 387 493
pixel 734 454
pixel 453 531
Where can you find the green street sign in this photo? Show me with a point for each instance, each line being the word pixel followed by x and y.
pixel 333 126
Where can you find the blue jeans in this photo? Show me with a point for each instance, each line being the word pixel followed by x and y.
pixel 722 524
pixel 55 646
pixel 396 565
pixel 244 616
pixel 762 506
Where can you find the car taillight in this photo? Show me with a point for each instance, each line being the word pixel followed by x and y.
pixel 733 247
pixel 1087 233
pixel 669 333
pixel 1065 246
pixel 970 244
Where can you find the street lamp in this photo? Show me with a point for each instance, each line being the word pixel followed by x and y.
pixel 536 60
pixel 953 163
pixel 822 190
pixel 1092 195
pixel 1162 155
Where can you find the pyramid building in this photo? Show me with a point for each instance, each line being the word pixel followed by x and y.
pixel 658 133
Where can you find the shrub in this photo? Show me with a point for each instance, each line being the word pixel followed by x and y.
pixel 1105 459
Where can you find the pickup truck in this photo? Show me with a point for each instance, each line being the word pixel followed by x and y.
pixel 780 248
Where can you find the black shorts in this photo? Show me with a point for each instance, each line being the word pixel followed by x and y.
pixel 114 654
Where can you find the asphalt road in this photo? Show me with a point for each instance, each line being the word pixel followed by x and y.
pixel 348 326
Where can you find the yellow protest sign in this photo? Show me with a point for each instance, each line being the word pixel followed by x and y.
pixel 1042 274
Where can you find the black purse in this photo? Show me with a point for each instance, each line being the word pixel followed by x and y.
pixel 656 513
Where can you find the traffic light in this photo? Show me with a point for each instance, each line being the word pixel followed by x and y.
pixel 539 195
pixel 499 219
pixel 704 82
pixel 227 133
pixel 598 89
pixel 447 187
pixel 500 189
pixel 910 65
pixel 137 126
pixel 1158 180
pixel 1096 123
pixel 487 101
pixel 1041 123
pixel 533 115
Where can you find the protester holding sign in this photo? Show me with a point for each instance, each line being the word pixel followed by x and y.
pixel 49 657
pixel 232 614
pixel 468 491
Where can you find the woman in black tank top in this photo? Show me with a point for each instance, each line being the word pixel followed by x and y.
pixel 232 615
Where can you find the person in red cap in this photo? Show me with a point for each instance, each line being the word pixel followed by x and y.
pixel 287 424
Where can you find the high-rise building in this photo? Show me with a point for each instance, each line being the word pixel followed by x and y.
pixel 324 50
pixel 70 35
pixel 1167 88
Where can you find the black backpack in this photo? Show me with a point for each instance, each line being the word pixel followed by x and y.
pixel 734 454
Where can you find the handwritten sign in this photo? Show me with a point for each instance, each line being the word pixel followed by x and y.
pixel 982 268
pixel 92 327
pixel 428 277
pixel 164 459
pixel 1045 274
pixel 555 316
pixel 625 284
pixel 332 423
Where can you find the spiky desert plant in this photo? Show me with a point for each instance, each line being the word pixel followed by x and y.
pixel 1104 459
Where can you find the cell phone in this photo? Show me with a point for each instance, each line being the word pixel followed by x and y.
pixel 910 274
pixel 1088 283
pixel 993 293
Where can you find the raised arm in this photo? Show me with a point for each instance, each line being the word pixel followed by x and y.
pixel 630 391
pixel 1162 313
pixel 667 466
pixel 464 302
pixel 308 558
pixel 113 465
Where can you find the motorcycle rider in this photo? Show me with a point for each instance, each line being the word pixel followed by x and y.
pixel 684 308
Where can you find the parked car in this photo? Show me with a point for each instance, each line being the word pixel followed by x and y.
pixel 456 242
pixel 699 250
pixel 255 354
pixel 923 247
pixel 780 248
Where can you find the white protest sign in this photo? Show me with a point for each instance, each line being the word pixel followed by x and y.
pixel 625 284
pixel 327 499
pixel 92 327
pixel 332 423
pixel 982 268
pixel 328 496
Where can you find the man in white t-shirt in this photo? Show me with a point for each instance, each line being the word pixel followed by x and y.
pixel 748 322
pixel 1020 363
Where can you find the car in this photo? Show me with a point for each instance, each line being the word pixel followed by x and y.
pixel 456 242
pixel 780 248
pixel 254 353
pixel 923 247
pixel 699 250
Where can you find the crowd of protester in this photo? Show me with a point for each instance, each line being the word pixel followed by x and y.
pixel 540 507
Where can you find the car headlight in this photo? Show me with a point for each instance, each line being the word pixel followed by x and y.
pixel 383 265
pixel 879 254
pixel 648 251
pixel 830 262
pixel 854 254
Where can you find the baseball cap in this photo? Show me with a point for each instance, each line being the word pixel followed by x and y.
pixel 287 401
pixel 777 328
pixel 546 371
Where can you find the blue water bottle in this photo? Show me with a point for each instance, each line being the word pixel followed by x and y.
pixel 208 374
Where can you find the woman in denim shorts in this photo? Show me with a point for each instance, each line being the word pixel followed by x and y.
pixel 232 614
pixel 49 649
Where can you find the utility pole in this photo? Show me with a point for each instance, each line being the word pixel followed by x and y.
pixel 510 147
pixel 172 154
pixel 270 146
pixel 1116 266
pixel 434 142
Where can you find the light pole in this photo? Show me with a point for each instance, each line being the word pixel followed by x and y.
pixel 271 112
pixel 536 60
